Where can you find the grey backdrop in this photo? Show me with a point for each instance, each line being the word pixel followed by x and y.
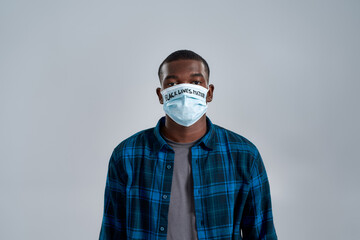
pixel 78 77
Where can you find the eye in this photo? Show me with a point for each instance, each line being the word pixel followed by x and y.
pixel 196 82
pixel 171 84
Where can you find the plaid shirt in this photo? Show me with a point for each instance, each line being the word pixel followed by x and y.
pixel 231 188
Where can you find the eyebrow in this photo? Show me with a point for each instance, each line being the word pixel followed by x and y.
pixel 170 76
pixel 197 75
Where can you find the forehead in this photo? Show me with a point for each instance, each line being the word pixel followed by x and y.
pixel 183 67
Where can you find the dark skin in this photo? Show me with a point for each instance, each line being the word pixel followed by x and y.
pixel 178 72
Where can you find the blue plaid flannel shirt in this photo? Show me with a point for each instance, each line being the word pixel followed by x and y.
pixel 231 188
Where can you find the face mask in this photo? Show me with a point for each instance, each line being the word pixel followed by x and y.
pixel 185 103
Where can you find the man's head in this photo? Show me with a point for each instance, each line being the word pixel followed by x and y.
pixel 184 79
pixel 183 55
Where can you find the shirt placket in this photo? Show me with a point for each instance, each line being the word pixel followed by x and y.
pixel 166 158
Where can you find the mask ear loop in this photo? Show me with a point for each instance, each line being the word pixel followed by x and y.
pixel 207 87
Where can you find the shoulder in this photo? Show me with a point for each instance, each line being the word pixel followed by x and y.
pixel 131 145
pixel 235 141
pixel 245 154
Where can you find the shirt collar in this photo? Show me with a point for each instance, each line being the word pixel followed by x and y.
pixel 208 140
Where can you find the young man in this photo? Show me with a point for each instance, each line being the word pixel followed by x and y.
pixel 186 178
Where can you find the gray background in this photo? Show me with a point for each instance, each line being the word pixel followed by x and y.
pixel 78 77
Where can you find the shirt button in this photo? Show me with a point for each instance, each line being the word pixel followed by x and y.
pixel 162 229
pixel 168 166
pixel 164 196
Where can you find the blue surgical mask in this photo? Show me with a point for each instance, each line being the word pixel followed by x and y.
pixel 185 103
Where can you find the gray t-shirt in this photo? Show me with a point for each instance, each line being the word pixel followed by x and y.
pixel 181 217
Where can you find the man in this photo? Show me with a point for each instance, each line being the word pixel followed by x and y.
pixel 186 178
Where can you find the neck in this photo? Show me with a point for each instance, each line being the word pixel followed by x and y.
pixel 178 133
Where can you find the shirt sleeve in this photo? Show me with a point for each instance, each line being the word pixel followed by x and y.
pixel 114 218
pixel 257 220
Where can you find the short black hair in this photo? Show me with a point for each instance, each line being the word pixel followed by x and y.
pixel 184 55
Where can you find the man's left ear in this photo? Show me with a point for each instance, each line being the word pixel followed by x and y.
pixel 210 93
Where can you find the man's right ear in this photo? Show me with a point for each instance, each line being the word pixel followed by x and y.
pixel 158 92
